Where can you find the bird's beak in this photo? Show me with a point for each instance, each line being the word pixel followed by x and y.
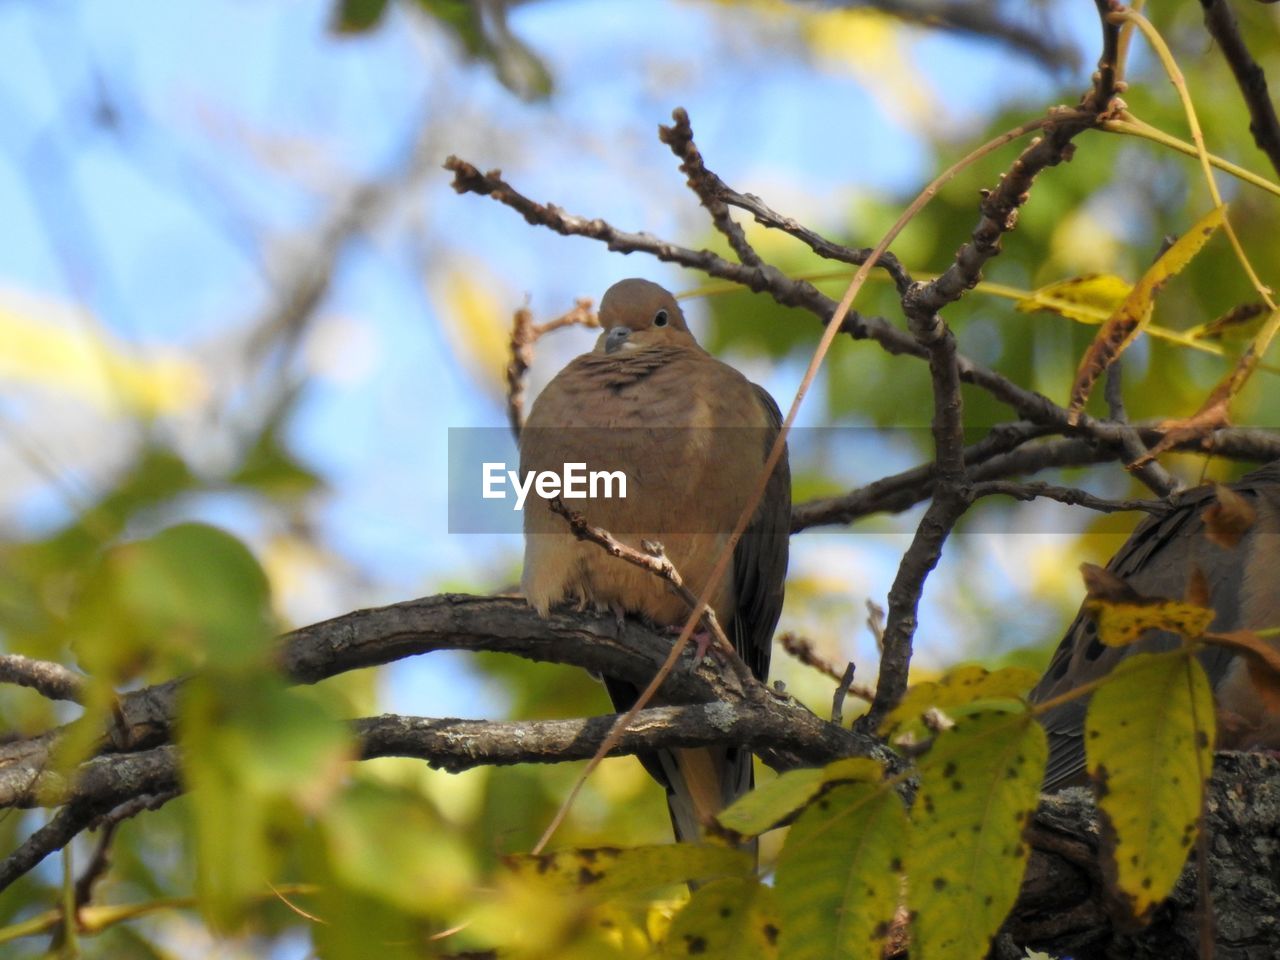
pixel 615 338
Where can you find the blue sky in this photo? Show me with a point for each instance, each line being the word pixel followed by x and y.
pixel 238 125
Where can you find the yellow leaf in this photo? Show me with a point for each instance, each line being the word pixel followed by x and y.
pixel 1122 623
pixel 476 319
pixel 838 881
pixel 1149 735
pixel 979 785
pixel 61 347
pixel 1123 327
pixel 612 871
pixel 1090 298
pixel 774 800
pixel 958 686
pixel 726 920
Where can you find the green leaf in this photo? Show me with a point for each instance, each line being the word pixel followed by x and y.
pixel 979 785
pixel 189 595
pixel 613 871
pixel 838 886
pixel 269 468
pixel 1149 735
pixel 773 801
pixel 960 685
pixel 357 16
pixel 390 844
pixel 255 753
pixel 726 920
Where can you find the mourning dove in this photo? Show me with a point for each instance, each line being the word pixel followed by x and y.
pixel 691 434
pixel 1157 561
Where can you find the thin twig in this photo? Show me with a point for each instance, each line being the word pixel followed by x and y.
pixel 842 691
pixel 1068 495
pixel 708 187
pixel 524 334
pixel 801 648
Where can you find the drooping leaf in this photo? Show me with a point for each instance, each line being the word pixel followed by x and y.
pixel 1149 735
pixel 979 784
pixel 1228 518
pixel 1123 327
pixel 838 874
pixel 1123 615
pixel 1090 298
pixel 773 801
pixel 960 685
pixel 726 920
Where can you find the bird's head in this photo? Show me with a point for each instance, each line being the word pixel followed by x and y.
pixel 637 314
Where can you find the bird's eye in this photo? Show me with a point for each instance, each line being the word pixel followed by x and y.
pixel 660 318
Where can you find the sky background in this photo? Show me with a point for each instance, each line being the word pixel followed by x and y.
pixel 165 168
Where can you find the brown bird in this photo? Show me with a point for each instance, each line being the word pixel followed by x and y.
pixel 691 435
pixel 1158 560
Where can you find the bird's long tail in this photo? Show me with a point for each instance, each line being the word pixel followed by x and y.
pixel 700 783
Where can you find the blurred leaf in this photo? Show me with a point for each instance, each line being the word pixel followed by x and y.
pixel 256 752
pixel 270 468
pixel 356 16
pixel 518 68
pixel 61 347
pixel 726 920
pixel 475 321
pixel 838 874
pixel 1228 518
pixel 979 785
pixel 390 844
pixel 774 800
pixel 1149 734
pixel 191 594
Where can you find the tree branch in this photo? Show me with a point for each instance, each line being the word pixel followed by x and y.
pixel 51 680
pixel 1220 20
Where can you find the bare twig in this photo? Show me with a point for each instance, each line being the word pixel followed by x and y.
pixel 842 691
pixel 51 680
pixel 801 648
pixel 54 835
pixel 875 623
pixel 708 187
pixel 1067 495
pixel 1220 20
pixel 524 334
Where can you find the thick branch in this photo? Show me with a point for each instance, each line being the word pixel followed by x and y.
pixel 51 680
pixel 447 622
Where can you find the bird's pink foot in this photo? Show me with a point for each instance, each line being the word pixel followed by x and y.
pixel 702 645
